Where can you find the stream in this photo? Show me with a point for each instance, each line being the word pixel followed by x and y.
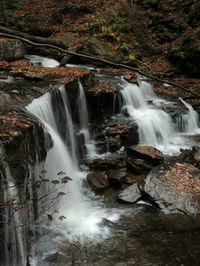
pixel 88 229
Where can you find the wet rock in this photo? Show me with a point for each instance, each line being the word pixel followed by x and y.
pixel 138 166
pixel 149 154
pixel 113 135
pixel 11 49
pixel 24 142
pixel 113 144
pixel 129 179
pixel 52 258
pixel 128 133
pixel 175 188
pixel 102 88
pixel 130 195
pixel 115 176
pixel 98 181
pixel 106 222
pixel 191 156
pixel 112 161
pixel 100 100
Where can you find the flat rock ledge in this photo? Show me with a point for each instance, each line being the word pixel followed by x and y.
pixel 113 161
pixel 147 153
pixel 175 188
pixel 141 159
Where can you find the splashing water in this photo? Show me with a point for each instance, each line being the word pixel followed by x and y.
pixel 44 61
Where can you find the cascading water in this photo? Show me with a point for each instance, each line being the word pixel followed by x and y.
pixel 69 125
pixel 44 61
pixel 155 126
pixel 58 158
pixel 146 88
pixel 80 217
pixel 190 120
pixel 14 219
pixel 84 121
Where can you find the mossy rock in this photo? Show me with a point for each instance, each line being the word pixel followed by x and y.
pixel 11 49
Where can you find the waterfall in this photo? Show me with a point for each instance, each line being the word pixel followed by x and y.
pixel 70 126
pixel 155 126
pixel 81 216
pixel 146 88
pixel 14 218
pixel 58 158
pixel 133 97
pixel 190 120
pixel 84 122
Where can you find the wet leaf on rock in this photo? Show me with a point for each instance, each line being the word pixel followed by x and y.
pixel 50 217
pixel 65 179
pixel 61 194
pixel 55 182
pixel 61 173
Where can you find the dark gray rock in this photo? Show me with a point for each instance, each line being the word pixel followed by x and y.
pixel 191 156
pixel 130 195
pixel 11 49
pixel 175 188
pixel 52 258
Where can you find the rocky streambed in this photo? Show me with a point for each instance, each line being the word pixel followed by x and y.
pixel 155 196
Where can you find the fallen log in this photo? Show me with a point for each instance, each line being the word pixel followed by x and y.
pixel 30 37
pixel 38 41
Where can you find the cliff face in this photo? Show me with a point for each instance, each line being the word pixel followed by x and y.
pixel 162 36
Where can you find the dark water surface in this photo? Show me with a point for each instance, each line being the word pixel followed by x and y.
pixel 139 237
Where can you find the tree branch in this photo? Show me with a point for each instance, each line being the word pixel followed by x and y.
pixel 37 41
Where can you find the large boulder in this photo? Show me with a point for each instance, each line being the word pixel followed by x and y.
pixel 146 153
pixel 113 161
pixel 11 49
pixel 175 188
